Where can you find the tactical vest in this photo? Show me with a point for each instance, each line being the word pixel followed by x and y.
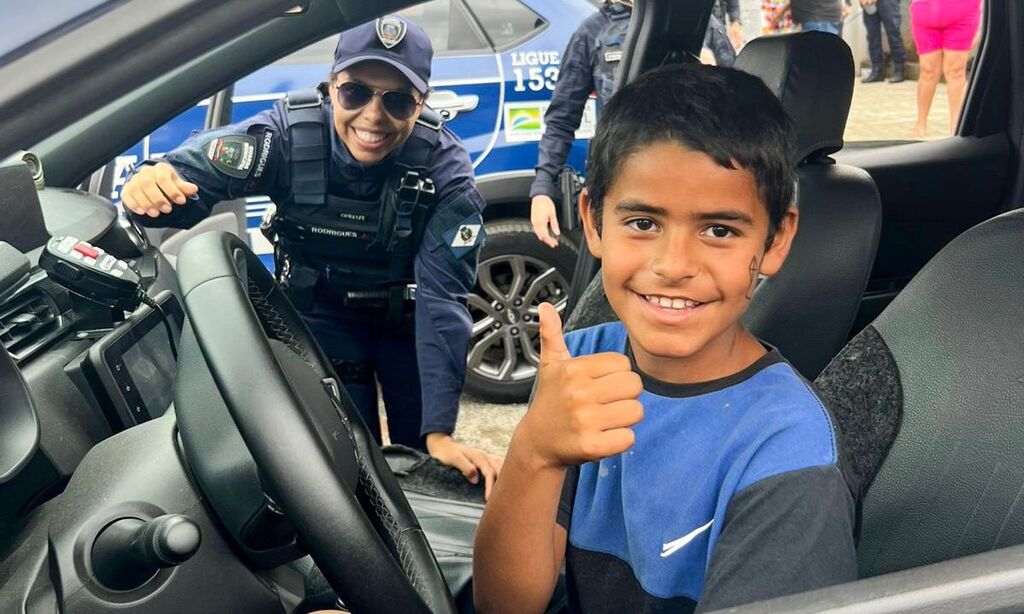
pixel 608 45
pixel 357 249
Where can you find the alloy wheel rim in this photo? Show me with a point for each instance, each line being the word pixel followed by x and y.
pixel 505 343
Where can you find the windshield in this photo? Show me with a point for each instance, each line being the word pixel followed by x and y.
pixel 36 19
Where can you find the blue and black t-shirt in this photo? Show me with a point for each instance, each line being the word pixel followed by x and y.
pixel 733 492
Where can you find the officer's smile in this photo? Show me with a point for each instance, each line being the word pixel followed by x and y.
pixel 372 139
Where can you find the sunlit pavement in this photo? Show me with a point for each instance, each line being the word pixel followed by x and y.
pixel 880 112
pixel 887 111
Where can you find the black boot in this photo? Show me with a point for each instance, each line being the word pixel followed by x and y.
pixel 899 74
pixel 875 76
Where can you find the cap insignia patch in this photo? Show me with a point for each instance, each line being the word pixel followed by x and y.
pixel 390 30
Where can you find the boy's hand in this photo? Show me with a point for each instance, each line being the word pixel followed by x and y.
pixel 156 189
pixel 584 406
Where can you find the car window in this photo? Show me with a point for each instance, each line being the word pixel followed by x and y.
pixel 506 22
pixel 444 22
pixel 447 26
pixel 883 110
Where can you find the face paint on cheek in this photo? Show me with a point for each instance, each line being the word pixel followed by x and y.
pixel 755 266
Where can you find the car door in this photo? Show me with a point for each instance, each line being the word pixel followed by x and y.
pixel 529 38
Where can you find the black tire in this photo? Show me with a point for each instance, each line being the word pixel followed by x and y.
pixel 517 273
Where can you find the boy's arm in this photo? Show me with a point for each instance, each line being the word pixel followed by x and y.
pixel 785 534
pixel 582 412
pixel 519 546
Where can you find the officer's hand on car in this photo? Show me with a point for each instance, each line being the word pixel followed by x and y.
pixel 542 215
pixel 155 189
pixel 584 406
pixel 470 461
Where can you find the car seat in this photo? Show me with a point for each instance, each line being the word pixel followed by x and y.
pixel 808 308
pixel 930 399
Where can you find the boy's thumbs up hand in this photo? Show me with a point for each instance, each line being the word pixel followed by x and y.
pixel 552 340
pixel 583 407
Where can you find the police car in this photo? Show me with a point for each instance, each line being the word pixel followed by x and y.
pixel 495 67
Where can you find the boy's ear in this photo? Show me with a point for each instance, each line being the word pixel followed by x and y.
pixel 589 219
pixel 776 254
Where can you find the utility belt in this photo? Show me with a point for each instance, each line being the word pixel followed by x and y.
pixel 306 283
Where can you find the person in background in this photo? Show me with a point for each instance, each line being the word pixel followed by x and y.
pixel 878 14
pixel 944 32
pixel 588 66
pixel 721 40
pixel 770 24
pixel 812 15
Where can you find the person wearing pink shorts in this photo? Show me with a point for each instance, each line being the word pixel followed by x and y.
pixel 944 32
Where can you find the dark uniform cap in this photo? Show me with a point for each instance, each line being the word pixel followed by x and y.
pixel 392 40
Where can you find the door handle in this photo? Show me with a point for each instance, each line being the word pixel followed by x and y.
pixel 449 103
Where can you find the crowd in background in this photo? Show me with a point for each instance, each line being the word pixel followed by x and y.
pixel 943 33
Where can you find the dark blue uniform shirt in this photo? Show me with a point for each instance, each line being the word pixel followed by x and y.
pixel 588 65
pixel 444 274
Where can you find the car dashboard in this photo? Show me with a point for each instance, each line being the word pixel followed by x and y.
pixel 87 371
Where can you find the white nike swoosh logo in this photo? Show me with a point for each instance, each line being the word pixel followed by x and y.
pixel 678 544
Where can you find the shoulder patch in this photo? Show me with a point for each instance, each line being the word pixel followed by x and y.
pixel 465 236
pixel 232 154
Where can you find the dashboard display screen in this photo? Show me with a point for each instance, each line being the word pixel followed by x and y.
pixel 151 366
pixel 136 366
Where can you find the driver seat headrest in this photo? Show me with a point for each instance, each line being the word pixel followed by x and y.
pixel 812 75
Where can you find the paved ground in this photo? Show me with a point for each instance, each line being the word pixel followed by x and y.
pixel 880 111
pixel 887 111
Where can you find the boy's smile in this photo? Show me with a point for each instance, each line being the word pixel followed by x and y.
pixel 682 242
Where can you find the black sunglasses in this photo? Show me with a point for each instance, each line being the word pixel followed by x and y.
pixel 399 104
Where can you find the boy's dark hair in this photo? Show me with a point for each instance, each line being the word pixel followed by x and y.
pixel 727 114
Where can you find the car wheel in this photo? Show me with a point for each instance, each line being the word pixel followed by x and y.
pixel 517 273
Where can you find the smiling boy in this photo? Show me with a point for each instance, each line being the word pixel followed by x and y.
pixel 671 459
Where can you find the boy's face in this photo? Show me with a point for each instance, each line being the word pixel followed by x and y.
pixel 682 243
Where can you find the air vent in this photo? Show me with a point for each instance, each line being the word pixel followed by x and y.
pixel 28 322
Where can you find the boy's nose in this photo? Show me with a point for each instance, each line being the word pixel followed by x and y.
pixel 674 259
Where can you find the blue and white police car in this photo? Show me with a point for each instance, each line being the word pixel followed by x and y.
pixel 495 67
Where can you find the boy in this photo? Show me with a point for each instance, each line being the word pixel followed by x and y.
pixel 671 459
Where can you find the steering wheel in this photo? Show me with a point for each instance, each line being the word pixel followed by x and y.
pixel 315 456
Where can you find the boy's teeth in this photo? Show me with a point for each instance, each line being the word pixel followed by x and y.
pixel 671 303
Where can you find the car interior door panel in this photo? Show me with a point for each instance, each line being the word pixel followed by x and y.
pixel 930 193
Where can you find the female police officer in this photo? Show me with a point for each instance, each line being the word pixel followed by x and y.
pixel 372 193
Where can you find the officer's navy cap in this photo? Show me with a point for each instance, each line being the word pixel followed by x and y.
pixel 392 40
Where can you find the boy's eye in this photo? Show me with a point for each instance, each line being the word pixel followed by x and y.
pixel 642 224
pixel 718 231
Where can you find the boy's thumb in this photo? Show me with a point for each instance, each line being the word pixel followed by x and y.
pixel 552 343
